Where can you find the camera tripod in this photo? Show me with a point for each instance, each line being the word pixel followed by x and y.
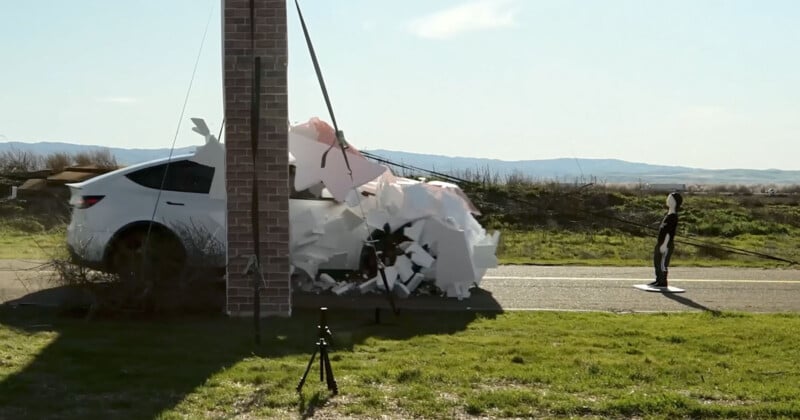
pixel 325 369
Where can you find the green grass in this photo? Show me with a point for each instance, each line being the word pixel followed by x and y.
pixel 38 244
pixel 557 247
pixel 613 248
pixel 419 365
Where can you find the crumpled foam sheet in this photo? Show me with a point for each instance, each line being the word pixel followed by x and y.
pixel 447 246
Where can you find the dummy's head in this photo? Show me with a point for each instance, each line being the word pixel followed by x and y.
pixel 674 201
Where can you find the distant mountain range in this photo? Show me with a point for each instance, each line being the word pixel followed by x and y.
pixel 567 170
pixel 570 170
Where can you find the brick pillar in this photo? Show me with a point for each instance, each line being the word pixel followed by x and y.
pixel 272 156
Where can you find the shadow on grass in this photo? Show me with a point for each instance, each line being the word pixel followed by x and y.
pixel 689 303
pixel 55 366
pixel 308 408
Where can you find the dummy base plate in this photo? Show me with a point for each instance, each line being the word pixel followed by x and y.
pixel 668 289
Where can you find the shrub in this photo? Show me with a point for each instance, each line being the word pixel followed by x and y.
pixel 57 162
pixel 15 160
pixel 102 158
pixel 163 283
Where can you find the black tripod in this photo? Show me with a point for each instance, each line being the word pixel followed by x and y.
pixel 325 369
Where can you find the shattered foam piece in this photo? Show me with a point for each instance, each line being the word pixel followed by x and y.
pixel 428 239
pixel 308 267
pixel 419 202
pixel 390 195
pixel 484 252
pixel 367 286
pixel 343 288
pixel 377 219
pixel 325 281
pixel 401 290
pixel 336 260
pixel 453 263
pixel 448 249
pixel 391 278
pixel 212 153
pixel 405 268
pixel 455 189
pixel 414 282
pixel 418 255
pixel 341 238
pixel 350 219
pixel 310 257
pixel 414 231
pixel 308 143
pixel 302 227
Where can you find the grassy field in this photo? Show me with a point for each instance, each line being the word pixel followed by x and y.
pixel 614 248
pixel 40 244
pixel 537 246
pixel 542 225
pixel 417 365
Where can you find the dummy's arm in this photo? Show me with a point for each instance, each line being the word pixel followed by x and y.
pixel 663 247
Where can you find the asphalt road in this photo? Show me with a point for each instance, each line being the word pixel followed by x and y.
pixel 546 288
pixel 611 289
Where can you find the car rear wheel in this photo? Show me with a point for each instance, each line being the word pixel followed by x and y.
pixel 146 264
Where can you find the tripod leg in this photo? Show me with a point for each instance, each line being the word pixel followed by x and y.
pixel 323 352
pixel 326 362
pixel 308 368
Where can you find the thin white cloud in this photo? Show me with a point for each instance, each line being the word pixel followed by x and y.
pixel 472 16
pixel 117 100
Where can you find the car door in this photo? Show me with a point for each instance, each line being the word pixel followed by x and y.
pixel 185 207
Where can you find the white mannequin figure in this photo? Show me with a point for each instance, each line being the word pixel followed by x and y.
pixel 666 240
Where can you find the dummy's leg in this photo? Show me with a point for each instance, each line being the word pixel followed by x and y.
pixel 657 260
pixel 665 266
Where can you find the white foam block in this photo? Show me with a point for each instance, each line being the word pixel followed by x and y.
pixel 454 263
pixel 342 288
pixel 367 285
pixel 309 141
pixel 419 202
pixel 419 256
pixel 376 219
pixel 414 231
pixel 391 277
pixel 401 290
pixel 414 282
pixel 325 281
pixel 404 268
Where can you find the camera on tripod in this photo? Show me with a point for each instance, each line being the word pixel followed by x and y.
pixel 324 336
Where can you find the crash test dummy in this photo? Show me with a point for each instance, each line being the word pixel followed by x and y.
pixel 665 244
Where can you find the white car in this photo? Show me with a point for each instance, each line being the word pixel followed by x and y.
pixel 112 213
pixel 171 213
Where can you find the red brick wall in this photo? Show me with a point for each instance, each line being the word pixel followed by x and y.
pixel 272 155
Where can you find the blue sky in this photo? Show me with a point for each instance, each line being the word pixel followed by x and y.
pixel 710 84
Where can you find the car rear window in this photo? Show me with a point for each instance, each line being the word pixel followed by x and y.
pixel 182 176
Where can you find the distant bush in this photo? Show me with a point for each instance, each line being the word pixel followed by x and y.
pixel 57 162
pixel 15 160
pixel 101 158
